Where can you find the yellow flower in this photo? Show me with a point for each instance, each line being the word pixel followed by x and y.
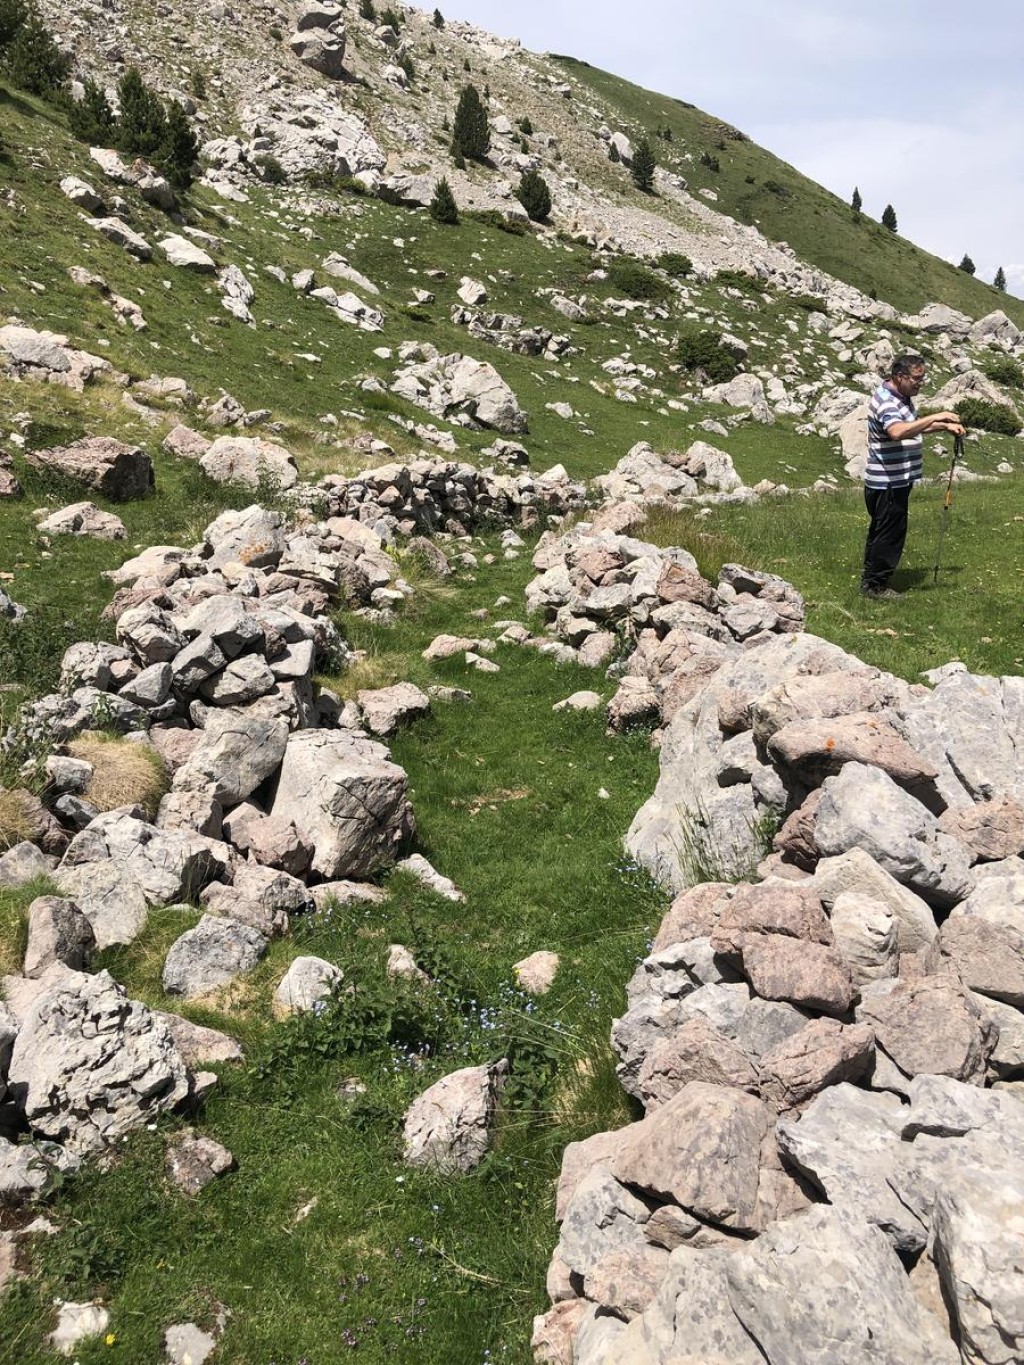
pixel 110 1339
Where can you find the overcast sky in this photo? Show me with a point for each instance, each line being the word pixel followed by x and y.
pixel 920 103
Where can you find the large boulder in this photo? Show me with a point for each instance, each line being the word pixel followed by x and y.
pixel 345 795
pixel 211 955
pixel 322 50
pixel 89 1064
pixel 238 750
pixel 249 460
pixel 120 472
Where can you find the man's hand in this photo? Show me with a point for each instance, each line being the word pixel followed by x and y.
pixel 948 422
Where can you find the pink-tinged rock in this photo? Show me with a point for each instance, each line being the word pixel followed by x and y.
pixel 795 840
pixel 626 1280
pixel 693 914
pixel 554 1332
pixel 788 909
pixel 991 830
pixel 816 749
pixel 823 1053
pixel 192 1162
pixel 989 958
pixel 186 443
pixel 803 973
pixel 448 1127
pixel 821 696
pixel 118 471
pixel 385 709
pixel 274 841
pixel 930 1027
pixel 198 1044
pixel 703 1150
pixel 579 1159
pixel 680 584
pixel 693 1052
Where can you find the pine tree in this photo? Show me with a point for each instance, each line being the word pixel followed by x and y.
pixel 91 118
pixel 534 195
pixel 33 60
pixel 889 218
pixel 13 14
pixel 443 207
pixel 471 136
pixel 856 203
pixel 643 166
pixel 177 154
pixel 966 265
pixel 438 19
pixel 142 126
pixel 1000 280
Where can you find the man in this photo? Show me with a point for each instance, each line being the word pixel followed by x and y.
pixel 894 465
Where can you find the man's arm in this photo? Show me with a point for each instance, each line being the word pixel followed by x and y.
pixel 936 421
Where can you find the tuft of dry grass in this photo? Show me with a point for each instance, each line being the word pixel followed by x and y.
pixel 124 773
pixel 17 819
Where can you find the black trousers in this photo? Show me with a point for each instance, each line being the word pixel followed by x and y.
pixel 887 508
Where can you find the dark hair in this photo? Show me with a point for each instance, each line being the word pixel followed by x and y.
pixel 905 364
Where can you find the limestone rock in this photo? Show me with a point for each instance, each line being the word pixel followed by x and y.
pixel 930 1026
pixel 447 1128
pixel 192 1162
pixel 307 983
pixel 118 471
pixel 211 955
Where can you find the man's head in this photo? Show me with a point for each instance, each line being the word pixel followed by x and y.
pixel 907 374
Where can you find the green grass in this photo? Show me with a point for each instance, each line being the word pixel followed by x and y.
pixel 818 225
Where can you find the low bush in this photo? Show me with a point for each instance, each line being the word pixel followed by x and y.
pixel 496 219
pixel 701 352
pixel 632 278
pixel 674 263
pixel 711 161
pixel 1005 370
pixel 994 417
pixel 271 169
pixel 739 279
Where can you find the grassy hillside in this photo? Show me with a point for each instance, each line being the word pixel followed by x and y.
pixel 756 187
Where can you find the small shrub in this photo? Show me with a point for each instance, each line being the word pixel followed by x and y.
pixel 967 265
pixel 271 169
pixel 994 417
pixel 496 219
pixel 999 280
pixel 91 118
pixel 525 126
pixel 438 20
pixel 392 19
pixel 443 208
pixel 178 150
pixel 674 263
pixel 613 152
pixel 632 278
pixel 739 279
pixel 407 64
pixel 534 195
pixel 856 202
pixel 367 10
pixel 711 161
pixel 749 180
pixel 465 64
pixel 701 352
pixel 198 84
pixel 808 303
pixel 889 218
pixel 1005 370
pixel 776 187
pixel 13 14
pixel 276 34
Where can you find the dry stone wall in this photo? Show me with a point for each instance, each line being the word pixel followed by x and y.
pixel 828 1040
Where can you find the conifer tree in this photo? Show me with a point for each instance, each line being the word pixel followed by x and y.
pixel 142 127
pixel 13 14
pixel 443 207
pixel 856 203
pixel 1000 280
pixel 889 218
pixel 471 134
pixel 966 265
pixel 643 166
pixel 534 195
pixel 91 118
pixel 177 154
pixel 438 19
pixel 32 59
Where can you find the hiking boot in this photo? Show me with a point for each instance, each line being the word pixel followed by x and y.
pixel 884 594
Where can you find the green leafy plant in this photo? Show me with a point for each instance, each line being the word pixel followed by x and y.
pixel 710 161
pixel 91 118
pixel 632 278
pixel 701 352
pixel 995 417
pixel 674 263
pixel 33 61
pixel 1005 370
pixel 271 169
pixel 142 125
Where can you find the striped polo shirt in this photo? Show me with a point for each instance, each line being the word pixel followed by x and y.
pixel 891 464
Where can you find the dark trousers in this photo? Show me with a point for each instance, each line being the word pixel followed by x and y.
pixel 887 508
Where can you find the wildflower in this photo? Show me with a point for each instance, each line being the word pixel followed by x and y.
pixel 110 1339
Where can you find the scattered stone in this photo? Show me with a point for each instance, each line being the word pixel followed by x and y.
pixel 447 1128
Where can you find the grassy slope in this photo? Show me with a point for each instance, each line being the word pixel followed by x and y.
pixel 818 225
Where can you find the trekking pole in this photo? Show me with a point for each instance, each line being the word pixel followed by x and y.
pixel 947 501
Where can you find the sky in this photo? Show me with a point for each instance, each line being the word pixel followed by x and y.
pixel 919 103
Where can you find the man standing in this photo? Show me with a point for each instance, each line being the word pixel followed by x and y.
pixel 894 465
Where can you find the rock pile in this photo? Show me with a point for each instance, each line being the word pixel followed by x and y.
pixel 470 393
pixel 826 1040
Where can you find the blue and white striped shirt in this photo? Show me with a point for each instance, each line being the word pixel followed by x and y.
pixel 891 464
